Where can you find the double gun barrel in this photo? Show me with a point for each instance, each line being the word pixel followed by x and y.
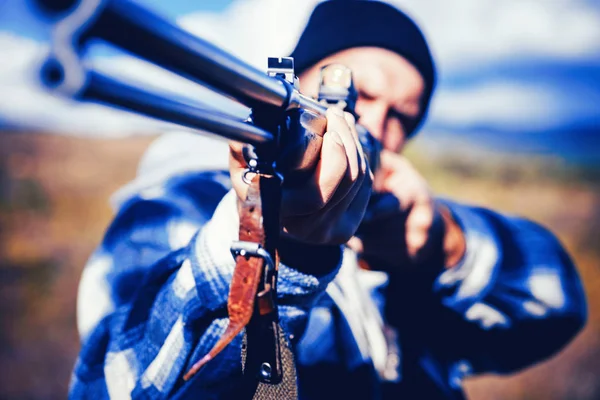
pixel 273 97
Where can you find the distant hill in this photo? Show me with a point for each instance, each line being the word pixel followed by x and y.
pixel 580 145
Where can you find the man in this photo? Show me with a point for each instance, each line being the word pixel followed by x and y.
pixel 452 290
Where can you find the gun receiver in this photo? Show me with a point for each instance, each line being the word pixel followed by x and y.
pixel 133 28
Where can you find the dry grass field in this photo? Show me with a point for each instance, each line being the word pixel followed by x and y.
pixel 54 209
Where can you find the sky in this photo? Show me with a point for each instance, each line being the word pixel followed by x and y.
pixel 516 75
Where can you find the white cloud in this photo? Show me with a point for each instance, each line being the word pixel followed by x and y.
pixel 461 32
pixel 464 34
pixel 500 103
pixel 253 29
pixel 467 33
pixel 23 102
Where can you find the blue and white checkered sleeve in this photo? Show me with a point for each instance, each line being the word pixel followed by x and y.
pixel 149 308
pixel 513 300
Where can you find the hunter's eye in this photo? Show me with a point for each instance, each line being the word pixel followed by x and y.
pixel 407 122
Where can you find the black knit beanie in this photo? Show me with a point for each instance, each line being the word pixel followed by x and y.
pixel 337 25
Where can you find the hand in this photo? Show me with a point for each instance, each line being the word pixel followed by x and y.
pixel 326 208
pixel 403 224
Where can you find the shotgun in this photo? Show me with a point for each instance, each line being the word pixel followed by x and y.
pixel 283 136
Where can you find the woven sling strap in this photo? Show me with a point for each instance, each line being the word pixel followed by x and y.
pixel 267 359
pixel 287 388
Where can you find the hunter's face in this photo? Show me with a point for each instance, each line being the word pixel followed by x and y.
pixel 389 91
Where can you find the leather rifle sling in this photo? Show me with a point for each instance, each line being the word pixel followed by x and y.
pixel 267 360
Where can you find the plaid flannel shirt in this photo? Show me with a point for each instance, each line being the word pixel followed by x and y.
pixel 152 298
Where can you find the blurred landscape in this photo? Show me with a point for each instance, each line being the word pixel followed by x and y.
pixel 54 209
pixel 514 126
